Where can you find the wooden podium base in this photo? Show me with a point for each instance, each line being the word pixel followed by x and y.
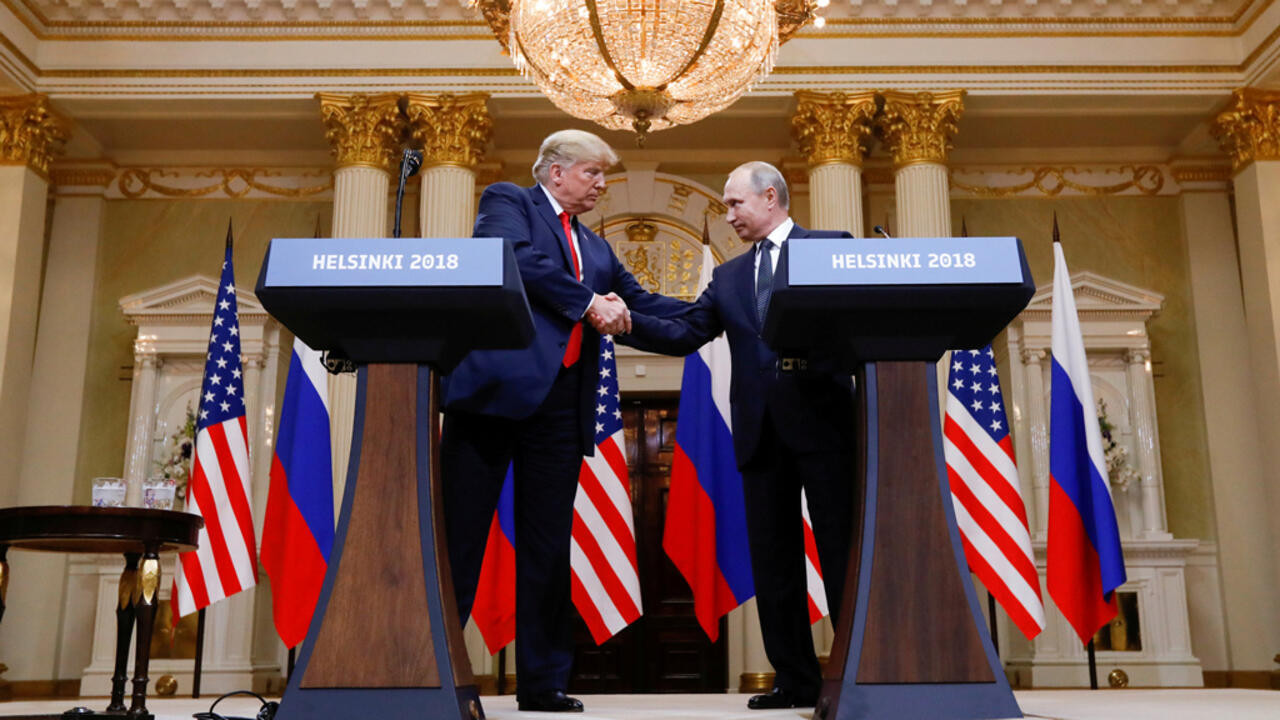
pixel 911 641
pixel 385 640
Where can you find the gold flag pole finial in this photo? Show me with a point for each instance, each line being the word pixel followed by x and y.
pixel 1056 237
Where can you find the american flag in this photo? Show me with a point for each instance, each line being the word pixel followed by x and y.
pixel 224 562
pixel 812 568
pixel 602 554
pixel 984 489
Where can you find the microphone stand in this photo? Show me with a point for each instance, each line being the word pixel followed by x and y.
pixel 409 165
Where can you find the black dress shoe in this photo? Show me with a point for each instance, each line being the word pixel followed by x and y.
pixel 549 701
pixel 778 698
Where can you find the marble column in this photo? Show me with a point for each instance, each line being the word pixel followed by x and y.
pixel 833 131
pixel 1248 129
pixel 1038 424
pixel 1142 418
pixel 918 127
pixel 47 472
pixel 364 134
pixel 453 131
pixel 30 134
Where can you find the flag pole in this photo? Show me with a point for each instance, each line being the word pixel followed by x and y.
pixel 1093 667
pixel 991 619
pixel 502 654
pixel 195 675
pixel 293 658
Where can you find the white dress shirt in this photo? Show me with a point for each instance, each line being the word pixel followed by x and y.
pixel 573 237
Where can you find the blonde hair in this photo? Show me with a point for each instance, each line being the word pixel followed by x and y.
pixel 569 147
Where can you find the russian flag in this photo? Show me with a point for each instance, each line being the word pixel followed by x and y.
pixel 494 609
pixel 706 523
pixel 1085 563
pixel 297 532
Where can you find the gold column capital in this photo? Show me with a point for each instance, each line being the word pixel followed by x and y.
pixel 918 127
pixel 31 133
pixel 833 127
pixel 453 129
pixel 362 129
pixel 1248 128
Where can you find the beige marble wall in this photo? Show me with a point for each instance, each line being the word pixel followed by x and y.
pixel 1137 240
pixel 152 242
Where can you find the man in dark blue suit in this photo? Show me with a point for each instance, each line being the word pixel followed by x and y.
pixel 534 407
pixel 792 428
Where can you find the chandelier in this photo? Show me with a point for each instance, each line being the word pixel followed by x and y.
pixel 645 64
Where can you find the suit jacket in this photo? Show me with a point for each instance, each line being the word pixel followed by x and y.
pixel 513 383
pixel 812 410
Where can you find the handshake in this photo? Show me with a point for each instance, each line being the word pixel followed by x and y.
pixel 609 315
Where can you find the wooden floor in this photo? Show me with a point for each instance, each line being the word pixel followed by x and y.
pixel 1036 704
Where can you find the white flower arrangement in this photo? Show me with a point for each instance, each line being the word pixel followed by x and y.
pixel 1119 471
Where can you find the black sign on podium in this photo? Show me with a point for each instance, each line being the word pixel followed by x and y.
pixel 910 640
pixel 385 641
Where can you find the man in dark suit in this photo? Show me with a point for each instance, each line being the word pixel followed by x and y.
pixel 534 407
pixel 792 428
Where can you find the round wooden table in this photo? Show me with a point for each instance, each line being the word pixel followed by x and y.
pixel 140 534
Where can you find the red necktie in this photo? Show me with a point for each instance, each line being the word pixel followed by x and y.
pixel 574 348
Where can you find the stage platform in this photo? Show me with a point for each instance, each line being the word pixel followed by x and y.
pixel 1036 704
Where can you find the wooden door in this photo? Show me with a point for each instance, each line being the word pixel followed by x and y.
pixel 665 650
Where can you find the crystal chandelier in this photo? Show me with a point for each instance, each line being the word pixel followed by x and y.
pixel 645 64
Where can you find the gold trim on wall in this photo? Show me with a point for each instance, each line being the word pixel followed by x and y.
pixel 1052 181
pixel 134 183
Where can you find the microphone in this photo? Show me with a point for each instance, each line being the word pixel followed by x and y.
pixel 409 165
pixel 879 230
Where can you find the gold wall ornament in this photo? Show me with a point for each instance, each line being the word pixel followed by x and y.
pixel 645 66
pixel 833 127
pixel 918 127
pixel 1053 181
pixel 1248 128
pixel 74 176
pixel 1118 678
pixel 638 263
pixel 362 129
pixel 31 133
pixel 681 262
pixel 232 182
pixel 452 129
pixel 641 231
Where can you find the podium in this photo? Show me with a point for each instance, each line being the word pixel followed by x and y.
pixel 910 639
pixel 385 641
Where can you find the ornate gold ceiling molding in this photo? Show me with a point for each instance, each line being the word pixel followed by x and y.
pixel 362 129
pixel 918 127
pixel 1248 128
pixel 31 133
pixel 452 129
pixel 833 127
pixel 1051 181
pixel 95 175
pixel 135 183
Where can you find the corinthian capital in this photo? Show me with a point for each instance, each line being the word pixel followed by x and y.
pixel 833 127
pixel 453 129
pixel 1248 129
pixel 918 127
pixel 362 129
pixel 31 133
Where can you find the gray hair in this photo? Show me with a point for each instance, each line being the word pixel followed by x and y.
pixel 569 147
pixel 762 176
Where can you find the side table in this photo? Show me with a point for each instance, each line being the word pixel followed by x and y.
pixel 140 534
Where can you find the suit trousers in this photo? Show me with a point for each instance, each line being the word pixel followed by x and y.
pixel 772 481
pixel 475 452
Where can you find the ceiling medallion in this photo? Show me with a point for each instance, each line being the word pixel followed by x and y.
pixel 645 65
